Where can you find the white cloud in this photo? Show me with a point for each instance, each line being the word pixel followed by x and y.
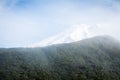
pixel 75 33
pixel 36 22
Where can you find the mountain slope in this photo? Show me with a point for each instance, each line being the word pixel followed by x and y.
pixel 95 58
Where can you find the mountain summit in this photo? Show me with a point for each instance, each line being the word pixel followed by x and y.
pixel 74 33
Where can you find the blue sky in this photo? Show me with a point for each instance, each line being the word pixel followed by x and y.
pixel 23 22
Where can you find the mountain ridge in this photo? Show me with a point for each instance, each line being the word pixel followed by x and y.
pixel 100 38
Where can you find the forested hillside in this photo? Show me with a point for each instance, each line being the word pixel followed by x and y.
pixel 96 58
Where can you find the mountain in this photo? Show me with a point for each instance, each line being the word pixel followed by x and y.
pixel 96 58
pixel 72 34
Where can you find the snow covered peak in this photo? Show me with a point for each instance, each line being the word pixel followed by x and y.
pixel 74 33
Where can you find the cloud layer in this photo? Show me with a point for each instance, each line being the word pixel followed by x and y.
pixel 23 22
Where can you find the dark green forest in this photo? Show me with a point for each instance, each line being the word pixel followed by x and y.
pixel 95 58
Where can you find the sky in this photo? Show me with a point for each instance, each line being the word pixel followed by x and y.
pixel 23 22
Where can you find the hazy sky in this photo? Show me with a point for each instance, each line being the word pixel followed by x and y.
pixel 23 22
